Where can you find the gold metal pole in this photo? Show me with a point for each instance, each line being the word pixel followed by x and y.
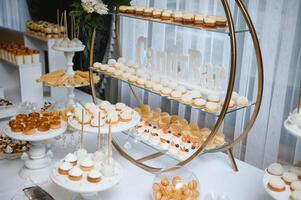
pixel 232 160
pixel 150 157
pixel 91 64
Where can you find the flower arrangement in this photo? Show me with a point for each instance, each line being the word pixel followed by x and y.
pixel 89 15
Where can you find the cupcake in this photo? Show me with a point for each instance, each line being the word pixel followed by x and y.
pixel 213 97
pixel 149 84
pixel 275 169
pixel 199 102
pixel 157 87
pixel 94 176
pixel 221 21
pixel 64 168
pixel 75 174
pixel 131 10
pixel 71 158
pixel 86 164
pixel 187 98
pixel 276 185
pixel 141 81
pixel 176 94
pixel 133 78
pixel 125 117
pixel 242 101
pixel 120 106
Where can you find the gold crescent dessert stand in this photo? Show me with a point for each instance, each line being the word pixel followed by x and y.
pixel 228 146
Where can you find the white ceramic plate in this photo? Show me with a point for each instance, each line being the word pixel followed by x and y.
pixel 69 49
pixel 38 136
pixel 83 186
pixel 121 126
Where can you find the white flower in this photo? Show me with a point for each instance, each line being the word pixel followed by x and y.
pixel 97 6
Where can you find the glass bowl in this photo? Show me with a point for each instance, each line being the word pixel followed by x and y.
pixel 176 183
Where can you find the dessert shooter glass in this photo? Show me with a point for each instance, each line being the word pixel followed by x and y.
pixel 174 182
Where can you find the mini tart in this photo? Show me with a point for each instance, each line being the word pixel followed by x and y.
pixel 295 186
pixel 94 176
pixel 125 117
pixel 199 19
pixel 166 15
pixel 86 165
pixel 43 127
pixel 149 84
pixel 141 81
pixel 17 128
pixel 133 78
pixel 126 76
pixel 112 119
pixel 275 169
pixel 187 98
pixel 276 185
pixel 29 130
pixel 199 102
pixel 71 158
pixel 64 168
pixel 119 106
pixel 210 22
pixel 55 124
pixel 148 12
pixel 166 91
pixel 176 94
pixel 289 177
pixel 75 174
pixel 157 87
pixel 296 170
pixel 117 73
pixel 213 97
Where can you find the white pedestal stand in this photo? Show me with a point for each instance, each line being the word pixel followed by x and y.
pixel 37 161
pixel 85 189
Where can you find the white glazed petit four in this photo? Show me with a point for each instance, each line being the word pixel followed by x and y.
pixel 64 168
pixel 199 102
pixel 75 174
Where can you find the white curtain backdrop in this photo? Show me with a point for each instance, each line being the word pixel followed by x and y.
pixel 278 26
pixel 14 14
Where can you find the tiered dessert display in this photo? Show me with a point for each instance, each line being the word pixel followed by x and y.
pixel 120 117
pixel 68 78
pixel 185 82
pixel 86 173
pixel 12 149
pixel 35 128
pixel 283 182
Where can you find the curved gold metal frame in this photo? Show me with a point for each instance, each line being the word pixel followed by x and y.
pixel 227 147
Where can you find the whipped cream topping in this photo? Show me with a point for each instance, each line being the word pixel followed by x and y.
pixel 70 157
pixel 87 162
pixel 75 171
pixel 66 166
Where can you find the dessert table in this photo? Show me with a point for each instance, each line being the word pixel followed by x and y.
pixel 213 171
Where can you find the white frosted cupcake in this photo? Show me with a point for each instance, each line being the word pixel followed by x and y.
pixel 165 82
pixel 173 85
pixel 118 73
pixel 119 106
pixel 141 81
pixel 149 84
pixel 94 176
pixel 187 98
pixel 64 168
pixel 182 89
pixel 133 78
pixel 104 104
pixel 110 70
pixel 111 62
pixel 199 102
pixel 104 67
pixel 87 164
pixel 214 97
pixel 211 107
pixel 276 185
pixel 195 94
pixel 126 76
pixel 275 169
pixel 97 65
pixel 125 117
pixel 242 101
pixel 75 174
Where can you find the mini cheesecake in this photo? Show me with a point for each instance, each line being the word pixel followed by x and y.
pixel 94 176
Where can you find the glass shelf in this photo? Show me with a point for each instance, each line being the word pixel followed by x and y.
pixel 134 140
pixel 223 30
pixel 236 108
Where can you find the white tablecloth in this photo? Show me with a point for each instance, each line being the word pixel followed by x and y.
pixel 213 170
